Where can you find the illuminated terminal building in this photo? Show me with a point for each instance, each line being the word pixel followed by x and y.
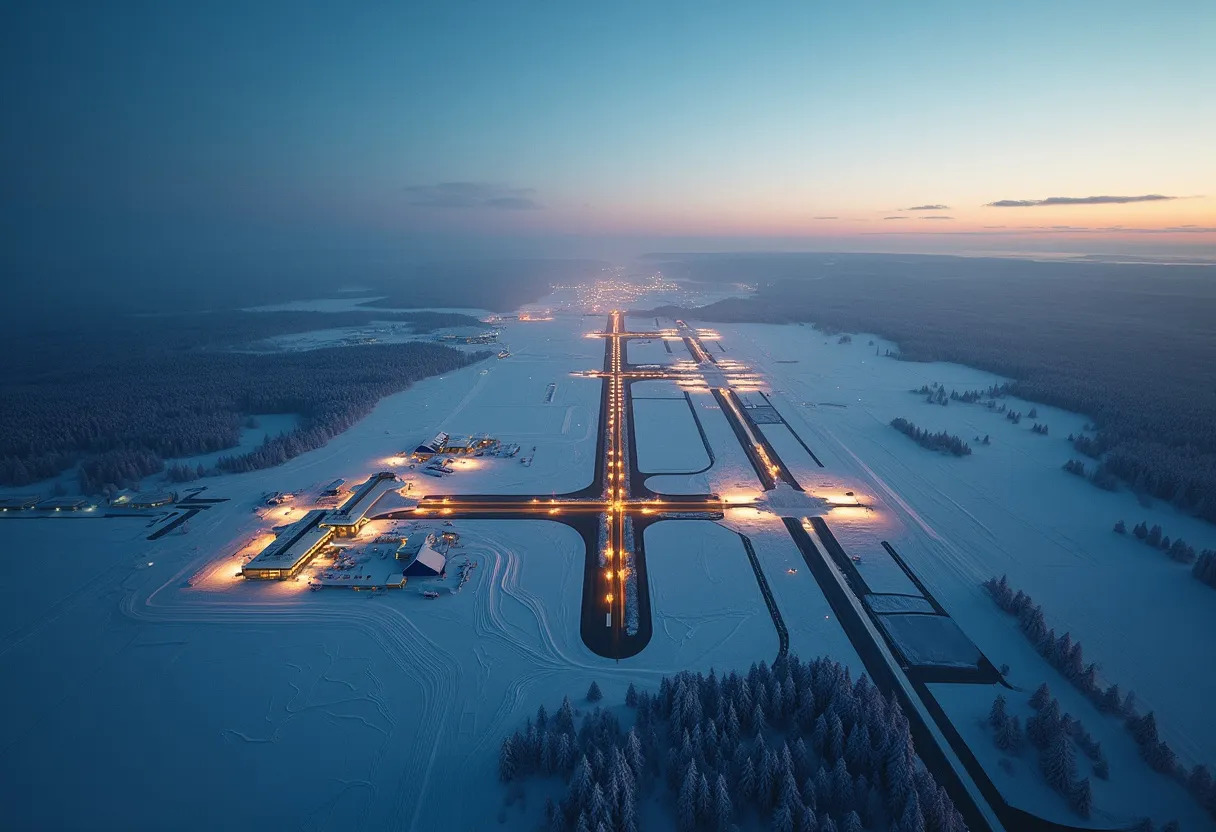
pixel 441 443
pixel 352 515
pixel 288 553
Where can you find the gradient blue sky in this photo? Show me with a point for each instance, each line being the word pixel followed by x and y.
pixel 166 129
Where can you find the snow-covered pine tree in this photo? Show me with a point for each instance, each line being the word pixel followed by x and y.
pixel 1059 763
pixel 783 818
pixel 723 808
pixel 686 805
pixel 749 780
pixel 1009 735
pixel 1081 798
pixel 1144 729
pixel 997 716
pixel 506 760
pixel 1041 697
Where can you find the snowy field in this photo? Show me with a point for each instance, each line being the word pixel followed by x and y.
pixel 378 332
pixel 656 390
pixel 708 609
pixel 653 351
pixel 157 688
pixel 511 402
pixel 1007 508
pixel 808 616
pixel 731 471
pixel 1131 793
pixel 355 710
pixel 667 438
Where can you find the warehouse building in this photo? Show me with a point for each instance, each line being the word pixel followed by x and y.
pixel 18 503
pixel 151 500
pixel 65 504
pixel 291 551
pixel 353 514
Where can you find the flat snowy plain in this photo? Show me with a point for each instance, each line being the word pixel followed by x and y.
pixel 148 687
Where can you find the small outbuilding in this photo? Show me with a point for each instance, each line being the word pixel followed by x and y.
pixel 428 563
pixel 428 449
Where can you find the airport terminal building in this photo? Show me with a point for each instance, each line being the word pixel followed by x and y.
pixel 291 551
pixel 347 520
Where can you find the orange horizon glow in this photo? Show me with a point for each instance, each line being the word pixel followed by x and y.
pixel 779 216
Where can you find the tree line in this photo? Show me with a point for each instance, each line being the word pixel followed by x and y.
pixel 798 745
pixel 1178 549
pixel 941 441
pixel 1054 733
pixel 1066 656
pixel 1204 563
pixel 119 422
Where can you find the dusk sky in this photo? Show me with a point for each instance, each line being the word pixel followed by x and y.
pixel 166 129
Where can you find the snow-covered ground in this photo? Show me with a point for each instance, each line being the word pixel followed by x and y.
pixel 731 472
pixel 667 437
pixel 509 399
pixel 154 687
pixel 1131 792
pixel 142 694
pixel 1007 508
pixel 653 351
pixel 157 687
pixel 707 605
pixel 808 617
pixel 376 332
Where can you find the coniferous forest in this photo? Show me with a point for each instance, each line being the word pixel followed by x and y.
pixel 942 441
pixel 798 746
pixel 1132 346
pixel 117 404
